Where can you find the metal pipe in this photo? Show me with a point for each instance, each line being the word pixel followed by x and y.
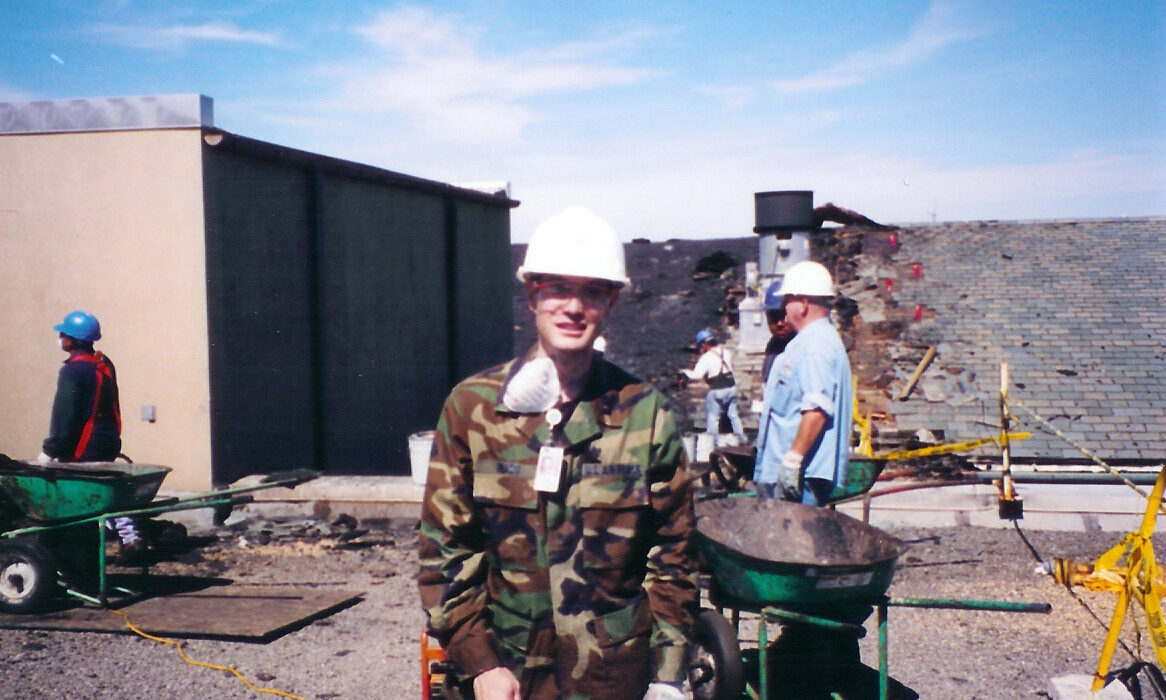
pixel 902 487
pixel 955 604
pixel 1087 478
pixel 857 631
pixel 987 477
pixel 100 519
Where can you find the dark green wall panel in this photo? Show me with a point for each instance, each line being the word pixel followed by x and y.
pixel 344 302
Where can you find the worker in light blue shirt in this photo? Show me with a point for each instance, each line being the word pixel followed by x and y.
pixel 803 441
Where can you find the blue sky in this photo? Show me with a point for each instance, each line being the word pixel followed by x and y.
pixel 664 117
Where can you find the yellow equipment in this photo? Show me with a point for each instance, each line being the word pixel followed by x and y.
pixel 1139 578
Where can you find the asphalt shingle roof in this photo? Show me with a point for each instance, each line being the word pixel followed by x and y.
pixel 1076 309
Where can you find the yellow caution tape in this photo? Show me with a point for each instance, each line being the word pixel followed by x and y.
pixel 948 448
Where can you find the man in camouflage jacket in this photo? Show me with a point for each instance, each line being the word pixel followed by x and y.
pixel 582 589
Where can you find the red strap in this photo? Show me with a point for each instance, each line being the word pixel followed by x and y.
pixel 103 371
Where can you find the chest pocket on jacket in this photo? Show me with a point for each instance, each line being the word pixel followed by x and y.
pixel 614 503
pixel 506 501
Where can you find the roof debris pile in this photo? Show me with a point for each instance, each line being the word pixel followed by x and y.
pixel 978 293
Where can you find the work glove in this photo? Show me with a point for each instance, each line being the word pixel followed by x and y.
pixel 789 476
pixel 663 691
pixel 534 388
pixel 43 458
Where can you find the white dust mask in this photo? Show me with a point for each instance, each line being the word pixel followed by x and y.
pixel 534 388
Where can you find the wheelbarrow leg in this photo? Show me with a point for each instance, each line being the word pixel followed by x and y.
pixel 883 672
pixel 102 598
pixel 763 655
pixel 99 598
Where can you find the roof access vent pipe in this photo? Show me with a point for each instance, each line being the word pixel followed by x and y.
pixel 784 220
pixel 784 211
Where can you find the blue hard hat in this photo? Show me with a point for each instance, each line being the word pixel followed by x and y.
pixel 80 325
pixel 703 335
pixel 773 296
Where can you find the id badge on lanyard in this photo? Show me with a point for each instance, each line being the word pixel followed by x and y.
pixel 549 470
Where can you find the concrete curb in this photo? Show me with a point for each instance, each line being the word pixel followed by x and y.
pixel 1077 508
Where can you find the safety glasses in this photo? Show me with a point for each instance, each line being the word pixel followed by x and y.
pixel 560 290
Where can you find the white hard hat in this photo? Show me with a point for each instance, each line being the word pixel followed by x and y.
pixel 807 279
pixel 575 243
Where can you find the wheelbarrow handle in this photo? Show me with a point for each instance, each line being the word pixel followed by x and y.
pixel 291 478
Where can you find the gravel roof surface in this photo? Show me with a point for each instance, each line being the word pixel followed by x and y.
pixel 371 649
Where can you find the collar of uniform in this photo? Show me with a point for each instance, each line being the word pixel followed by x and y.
pixel 592 410
pixel 599 398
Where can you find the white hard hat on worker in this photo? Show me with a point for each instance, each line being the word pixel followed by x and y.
pixel 573 271
pixel 807 279
pixel 807 293
pixel 575 243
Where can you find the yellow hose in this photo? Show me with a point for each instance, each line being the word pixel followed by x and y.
pixel 192 662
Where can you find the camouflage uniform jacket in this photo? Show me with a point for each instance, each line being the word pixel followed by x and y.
pixel 583 593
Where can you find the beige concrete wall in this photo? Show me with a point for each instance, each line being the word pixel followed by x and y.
pixel 111 223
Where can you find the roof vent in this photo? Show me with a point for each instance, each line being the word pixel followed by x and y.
pixel 783 211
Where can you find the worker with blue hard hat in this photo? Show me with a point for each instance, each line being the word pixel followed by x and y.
pixel 780 331
pixel 86 417
pixel 85 424
pixel 715 367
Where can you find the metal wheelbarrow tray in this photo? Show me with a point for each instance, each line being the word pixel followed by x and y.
pixel 58 492
pixel 53 517
pixel 765 552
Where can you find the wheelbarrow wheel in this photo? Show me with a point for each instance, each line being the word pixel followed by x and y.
pixel 715 668
pixel 27 578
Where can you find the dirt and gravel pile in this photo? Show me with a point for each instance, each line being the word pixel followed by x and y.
pixel 372 650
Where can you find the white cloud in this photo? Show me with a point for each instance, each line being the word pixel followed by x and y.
pixel 431 70
pixel 177 36
pixel 710 194
pixel 941 26
pixel 11 93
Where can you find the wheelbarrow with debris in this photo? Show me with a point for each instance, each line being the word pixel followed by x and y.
pixel 53 523
pixel 817 571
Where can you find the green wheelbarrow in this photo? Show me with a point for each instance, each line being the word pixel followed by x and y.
pixel 53 516
pixel 820 572
pixel 805 564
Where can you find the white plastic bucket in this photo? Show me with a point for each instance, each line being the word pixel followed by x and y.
pixel 420 445
pixel 698 446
